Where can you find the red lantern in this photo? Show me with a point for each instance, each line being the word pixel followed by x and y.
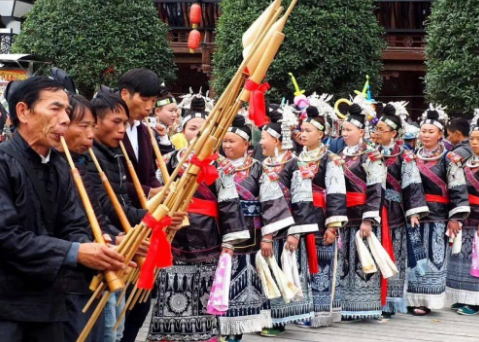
pixel 194 40
pixel 195 15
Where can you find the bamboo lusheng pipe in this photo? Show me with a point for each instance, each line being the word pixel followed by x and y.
pixel 229 94
pixel 114 282
pixel 198 142
pixel 134 178
pixel 125 223
pixel 159 157
pixel 91 322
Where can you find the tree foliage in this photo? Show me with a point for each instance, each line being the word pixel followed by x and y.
pixel 452 54
pixel 330 46
pixel 97 41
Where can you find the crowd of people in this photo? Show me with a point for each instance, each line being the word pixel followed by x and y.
pixel 320 213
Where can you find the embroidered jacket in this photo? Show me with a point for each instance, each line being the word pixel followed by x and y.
pixel 442 175
pixel 202 239
pixel 262 201
pixel 365 173
pixel 297 191
pixel 329 187
pixel 404 192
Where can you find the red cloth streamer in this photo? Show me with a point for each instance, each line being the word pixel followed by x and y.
pixel 437 199
pixel 319 202
pixel 203 207
pixel 257 105
pixel 474 200
pixel 159 253
pixel 312 253
pixel 388 246
pixel 208 173
pixel 354 199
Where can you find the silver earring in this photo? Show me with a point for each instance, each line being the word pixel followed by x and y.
pixel 276 152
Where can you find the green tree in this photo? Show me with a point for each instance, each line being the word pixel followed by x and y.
pixel 452 52
pixel 330 46
pixel 97 41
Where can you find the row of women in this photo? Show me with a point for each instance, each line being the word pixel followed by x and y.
pixel 301 248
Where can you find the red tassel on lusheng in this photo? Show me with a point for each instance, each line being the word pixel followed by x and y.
pixel 312 253
pixel 208 173
pixel 159 252
pixel 257 105
pixel 388 246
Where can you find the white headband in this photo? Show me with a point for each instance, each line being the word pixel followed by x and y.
pixel 315 123
pixel 355 122
pixel 239 132
pixel 390 123
pixel 272 132
pixel 433 122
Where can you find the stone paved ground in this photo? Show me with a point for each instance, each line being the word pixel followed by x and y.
pixel 440 326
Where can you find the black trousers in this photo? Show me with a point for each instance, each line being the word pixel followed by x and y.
pixel 31 332
pixel 77 319
pixel 134 319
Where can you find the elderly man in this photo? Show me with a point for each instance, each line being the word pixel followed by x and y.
pixel 42 226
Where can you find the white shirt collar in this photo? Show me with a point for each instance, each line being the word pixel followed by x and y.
pixel 136 123
pixel 132 133
pixel 47 158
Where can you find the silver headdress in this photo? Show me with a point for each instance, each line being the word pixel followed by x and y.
pixel 325 110
pixel 440 120
pixel 188 98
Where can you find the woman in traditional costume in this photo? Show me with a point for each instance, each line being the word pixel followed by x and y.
pixel 329 198
pixel 281 165
pixel 446 195
pixel 365 175
pixel 404 203
pixel 266 213
pixel 216 224
pixel 463 271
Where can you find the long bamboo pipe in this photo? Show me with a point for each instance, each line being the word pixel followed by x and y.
pixel 114 282
pixel 125 223
pixel 134 178
pixel 159 157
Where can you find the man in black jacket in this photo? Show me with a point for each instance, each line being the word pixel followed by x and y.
pixel 42 227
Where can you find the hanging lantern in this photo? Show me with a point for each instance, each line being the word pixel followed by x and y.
pixel 195 15
pixel 194 40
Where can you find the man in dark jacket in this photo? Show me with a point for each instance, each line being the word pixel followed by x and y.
pixel 42 227
pixel 140 88
pixel 458 135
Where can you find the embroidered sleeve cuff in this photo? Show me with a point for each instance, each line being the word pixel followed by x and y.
pixel 276 226
pixel 72 255
pixel 303 229
pixel 236 237
pixel 421 211
pixel 342 220
pixel 463 210
pixel 372 215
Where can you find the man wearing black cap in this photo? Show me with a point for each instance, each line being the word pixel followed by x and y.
pixel 42 226
pixel 140 88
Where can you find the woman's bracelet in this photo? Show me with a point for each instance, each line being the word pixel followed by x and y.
pixel 266 240
pixel 227 245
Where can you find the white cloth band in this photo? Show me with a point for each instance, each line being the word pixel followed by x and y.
pixel 239 132
pixel 272 132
